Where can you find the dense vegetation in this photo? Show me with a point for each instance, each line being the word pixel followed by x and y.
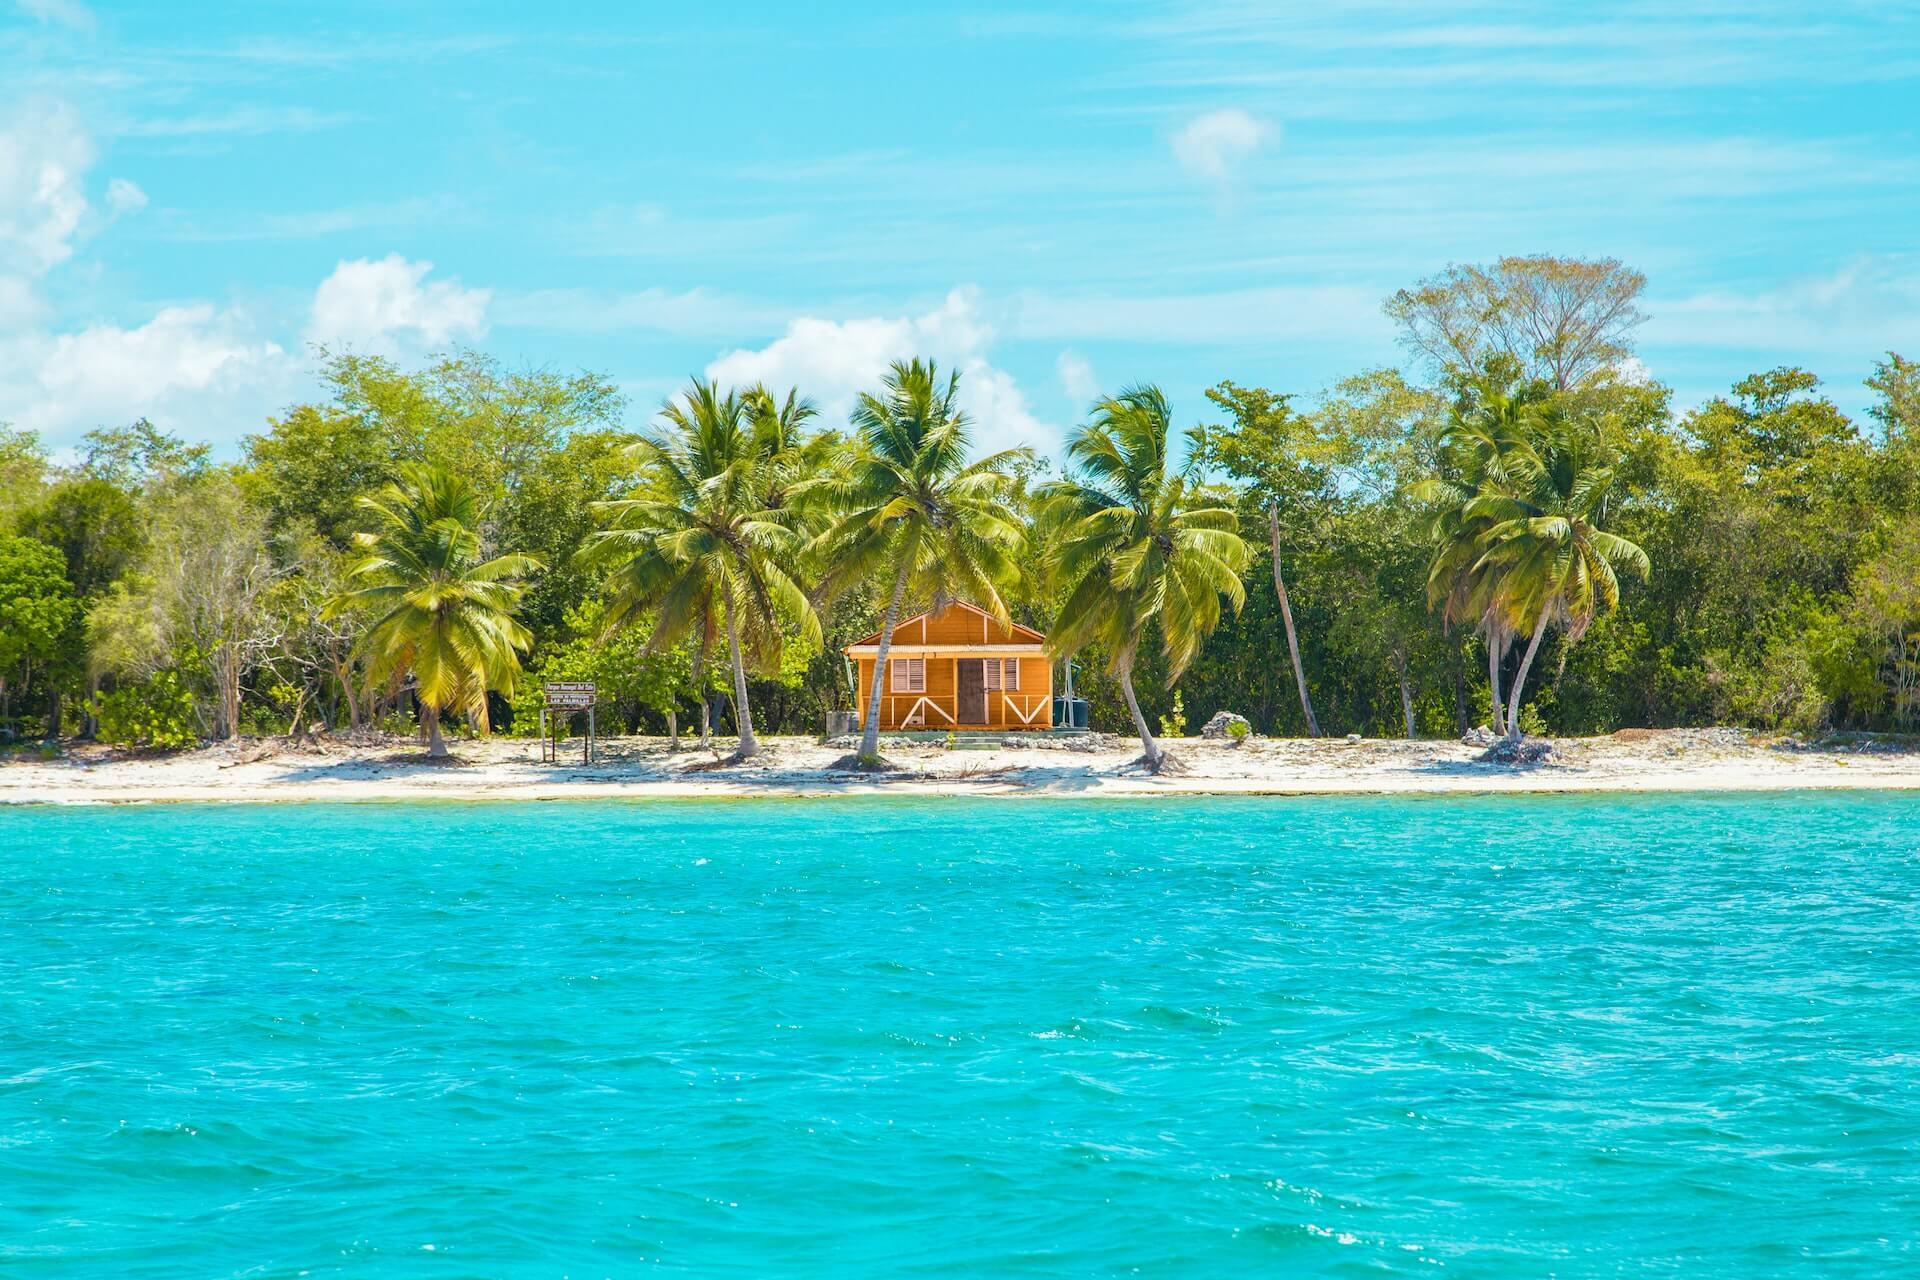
pixel 1517 511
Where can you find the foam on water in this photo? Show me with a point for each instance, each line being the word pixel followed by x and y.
pixel 1489 1037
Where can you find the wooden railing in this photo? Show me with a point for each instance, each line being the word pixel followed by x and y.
pixel 921 705
pixel 1026 709
pixel 1036 703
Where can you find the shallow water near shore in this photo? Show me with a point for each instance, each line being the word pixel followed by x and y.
pixel 1517 1036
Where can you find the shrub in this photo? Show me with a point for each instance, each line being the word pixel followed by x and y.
pixel 1174 723
pixel 157 712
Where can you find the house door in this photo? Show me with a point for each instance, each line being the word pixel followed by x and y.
pixel 971 690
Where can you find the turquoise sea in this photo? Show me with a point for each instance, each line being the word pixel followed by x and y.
pixel 1635 1036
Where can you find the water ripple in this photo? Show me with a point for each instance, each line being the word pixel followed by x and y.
pixel 1582 1036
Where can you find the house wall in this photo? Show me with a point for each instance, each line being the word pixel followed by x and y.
pixel 958 626
pixel 1035 693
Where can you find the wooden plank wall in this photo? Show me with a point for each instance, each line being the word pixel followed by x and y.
pixel 1036 681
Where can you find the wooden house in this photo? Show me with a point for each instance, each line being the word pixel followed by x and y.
pixel 956 668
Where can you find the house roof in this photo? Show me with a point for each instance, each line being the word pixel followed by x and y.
pixel 1022 637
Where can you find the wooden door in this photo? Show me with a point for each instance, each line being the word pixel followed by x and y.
pixel 970 690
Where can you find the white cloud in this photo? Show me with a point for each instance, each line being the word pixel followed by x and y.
pixel 60 13
pixel 44 157
pixel 191 347
pixel 209 371
pixel 196 368
pixel 1867 306
pixel 249 121
pixel 19 307
pixel 1213 145
pixel 44 211
pixel 834 360
pixel 125 197
pixel 216 373
pixel 390 303
pixel 1076 377
pixel 693 313
pixel 1300 314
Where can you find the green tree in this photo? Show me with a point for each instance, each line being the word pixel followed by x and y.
pixel 1897 380
pixel 23 469
pixel 1557 320
pixel 141 456
pixel 1541 546
pixel 101 534
pixel 440 613
pixel 1277 452
pixel 1135 550
pixel 314 463
pixel 39 622
pixel 97 527
pixel 198 600
pixel 1885 611
pixel 1480 451
pixel 914 512
pixel 701 549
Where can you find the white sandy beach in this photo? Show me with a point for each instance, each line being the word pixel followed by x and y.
pixel 255 770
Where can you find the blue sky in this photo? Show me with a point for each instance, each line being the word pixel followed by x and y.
pixel 1064 199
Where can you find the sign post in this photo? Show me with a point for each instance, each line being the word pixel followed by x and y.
pixel 564 697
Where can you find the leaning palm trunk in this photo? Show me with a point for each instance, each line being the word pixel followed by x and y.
pixel 870 732
pixel 430 721
pixel 742 713
pixel 1496 652
pixel 700 695
pixel 1406 692
pixel 1286 616
pixel 1520 678
pixel 1150 751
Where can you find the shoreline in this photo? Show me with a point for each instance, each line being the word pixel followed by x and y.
pixel 260 771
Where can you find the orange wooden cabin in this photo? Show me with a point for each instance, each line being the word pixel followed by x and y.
pixel 956 668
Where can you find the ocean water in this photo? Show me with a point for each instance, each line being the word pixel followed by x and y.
pixel 1635 1036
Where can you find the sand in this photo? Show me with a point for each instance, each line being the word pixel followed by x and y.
pixel 254 770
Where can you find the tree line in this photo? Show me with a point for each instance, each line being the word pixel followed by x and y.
pixel 1518 529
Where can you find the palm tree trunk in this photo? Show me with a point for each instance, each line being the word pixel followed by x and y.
pixel 1496 651
pixel 700 695
pixel 1461 720
pixel 436 745
pixel 1286 616
pixel 742 713
pixel 870 732
pixel 1406 692
pixel 1520 678
pixel 1149 749
pixel 226 673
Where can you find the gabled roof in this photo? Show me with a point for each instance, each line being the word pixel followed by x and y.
pixel 1023 637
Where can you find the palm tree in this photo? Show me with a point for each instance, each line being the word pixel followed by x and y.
pixel 1543 545
pixel 1482 448
pixel 912 508
pixel 440 612
pixel 709 546
pixel 1133 550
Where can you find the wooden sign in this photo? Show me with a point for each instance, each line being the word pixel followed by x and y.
pixel 571 695
pixel 567 696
